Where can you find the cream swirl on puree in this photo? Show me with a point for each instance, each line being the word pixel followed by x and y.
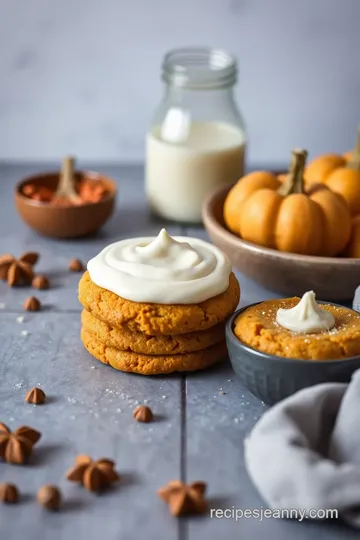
pixel 162 270
pixel 306 317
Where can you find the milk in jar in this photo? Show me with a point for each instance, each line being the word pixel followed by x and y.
pixel 197 140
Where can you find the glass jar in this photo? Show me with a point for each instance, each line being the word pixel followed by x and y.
pixel 197 138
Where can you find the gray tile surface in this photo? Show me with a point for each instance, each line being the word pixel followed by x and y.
pixel 89 411
pixel 202 419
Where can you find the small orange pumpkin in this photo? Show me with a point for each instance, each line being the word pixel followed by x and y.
pixel 353 248
pixel 321 167
pixel 339 173
pixel 262 210
pixel 348 155
pixel 345 180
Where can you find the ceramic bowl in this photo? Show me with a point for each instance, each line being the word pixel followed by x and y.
pixel 272 378
pixel 64 222
pixel 332 278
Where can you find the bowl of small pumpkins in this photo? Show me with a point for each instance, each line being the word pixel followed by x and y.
pixel 296 231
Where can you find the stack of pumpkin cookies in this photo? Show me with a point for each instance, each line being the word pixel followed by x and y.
pixel 151 338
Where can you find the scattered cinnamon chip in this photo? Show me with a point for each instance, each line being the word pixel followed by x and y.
pixel 35 396
pixel 184 499
pixel 93 475
pixel 142 413
pixel 16 447
pixel 75 265
pixel 18 271
pixel 9 493
pixel 32 304
pixel 49 497
pixel 40 282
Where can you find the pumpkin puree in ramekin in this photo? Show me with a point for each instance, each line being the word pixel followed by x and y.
pixel 257 327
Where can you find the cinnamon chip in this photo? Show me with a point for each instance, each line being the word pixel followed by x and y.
pixel 35 396
pixel 49 497
pixel 142 413
pixel 40 282
pixel 75 265
pixel 9 493
pixel 32 304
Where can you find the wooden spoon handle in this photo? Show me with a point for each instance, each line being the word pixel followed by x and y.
pixel 66 184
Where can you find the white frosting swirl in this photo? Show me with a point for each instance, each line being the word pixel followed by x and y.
pixel 162 270
pixel 306 317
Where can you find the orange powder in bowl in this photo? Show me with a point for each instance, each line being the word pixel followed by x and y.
pixel 89 192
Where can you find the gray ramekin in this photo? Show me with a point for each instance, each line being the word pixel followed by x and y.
pixel 272 378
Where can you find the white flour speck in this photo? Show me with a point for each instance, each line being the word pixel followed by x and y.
pixel 2 305
pixel 25 332
pixel 20 319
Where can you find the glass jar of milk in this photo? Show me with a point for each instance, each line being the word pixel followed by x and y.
pixel 197 138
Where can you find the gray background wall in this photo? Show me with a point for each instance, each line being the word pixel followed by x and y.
pixel 82 76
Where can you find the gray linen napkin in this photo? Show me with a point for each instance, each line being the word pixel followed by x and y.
pixel 356 300
pixel 304 452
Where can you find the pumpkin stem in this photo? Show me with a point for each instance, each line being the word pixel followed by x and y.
pixel 354 162
pixel 295 179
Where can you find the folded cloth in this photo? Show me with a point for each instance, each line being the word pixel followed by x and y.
pixel 304 453
pixel 356 300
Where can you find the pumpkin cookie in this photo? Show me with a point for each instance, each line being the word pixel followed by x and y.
pixel 152 365
pixel 125 340
pixel 157 319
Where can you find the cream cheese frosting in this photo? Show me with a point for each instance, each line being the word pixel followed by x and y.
pixel 163 270
pixel 306 317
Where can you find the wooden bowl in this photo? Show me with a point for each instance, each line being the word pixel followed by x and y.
pixel 290 274
pixel 69 221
